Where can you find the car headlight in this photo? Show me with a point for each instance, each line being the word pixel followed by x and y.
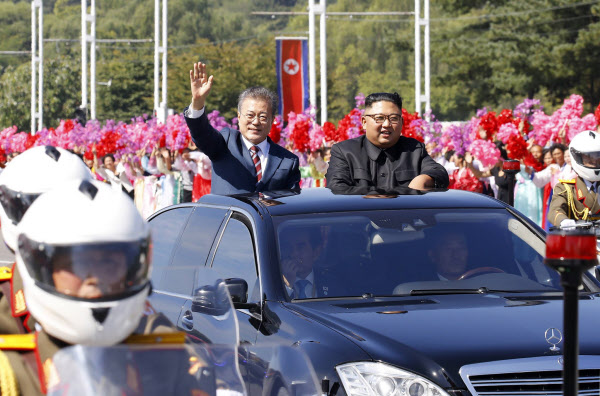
pixel 379 379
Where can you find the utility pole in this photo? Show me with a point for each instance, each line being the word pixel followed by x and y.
pixel 419 99
pixel 91 38
pixel 160 108
pixel 320 9
pixel 37 59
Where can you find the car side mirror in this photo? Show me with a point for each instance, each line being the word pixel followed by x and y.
pixel 238 290
pixel 211 300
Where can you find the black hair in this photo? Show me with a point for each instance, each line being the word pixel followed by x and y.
pixel 544 152
pixel 560 146
pixel 383 96
pixel 448 155
pixel 108 156
pixel 500 146
pixel 314 235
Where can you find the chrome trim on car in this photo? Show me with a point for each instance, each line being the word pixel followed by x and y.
pixel 529 376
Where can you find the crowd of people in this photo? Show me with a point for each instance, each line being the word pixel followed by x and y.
pixel 533 185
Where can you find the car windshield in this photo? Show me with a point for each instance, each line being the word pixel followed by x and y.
pixel 410 252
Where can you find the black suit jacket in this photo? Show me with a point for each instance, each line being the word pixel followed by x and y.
pixel 350 167
pixel 233 169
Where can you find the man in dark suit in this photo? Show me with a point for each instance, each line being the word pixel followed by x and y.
pixel 246 160
pixel 383 159
pixel 303 277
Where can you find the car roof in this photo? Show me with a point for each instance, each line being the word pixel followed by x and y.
pixel 322 200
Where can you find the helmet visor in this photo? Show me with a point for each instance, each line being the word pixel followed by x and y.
pixel 589 160
pixel 15 203
pixel 90 271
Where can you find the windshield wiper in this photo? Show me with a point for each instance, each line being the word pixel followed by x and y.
pixel 481 290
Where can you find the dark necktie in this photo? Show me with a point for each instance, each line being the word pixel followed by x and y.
pixel 256 160
pixel 301 286
pixel 594 187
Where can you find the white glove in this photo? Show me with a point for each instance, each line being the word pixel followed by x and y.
pixel 567 224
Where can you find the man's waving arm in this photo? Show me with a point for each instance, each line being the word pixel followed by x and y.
pixel 206 138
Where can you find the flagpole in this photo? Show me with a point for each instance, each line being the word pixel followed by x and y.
pixel 312 73
pixel 323 48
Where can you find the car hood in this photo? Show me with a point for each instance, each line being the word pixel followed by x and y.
pixel 454 330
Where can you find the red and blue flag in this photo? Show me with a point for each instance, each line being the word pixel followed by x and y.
pixel 292 75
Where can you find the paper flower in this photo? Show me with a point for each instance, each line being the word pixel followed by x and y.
pixel 485 151
pixel 275 132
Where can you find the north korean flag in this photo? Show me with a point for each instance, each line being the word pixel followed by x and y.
pixel 292 75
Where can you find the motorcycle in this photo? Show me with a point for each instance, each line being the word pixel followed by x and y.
pixel 594 227
pixel 163 368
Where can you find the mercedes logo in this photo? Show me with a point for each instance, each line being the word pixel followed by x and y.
pixel 553 337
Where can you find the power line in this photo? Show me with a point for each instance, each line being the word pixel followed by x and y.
pixel 338 13
pixel 515 13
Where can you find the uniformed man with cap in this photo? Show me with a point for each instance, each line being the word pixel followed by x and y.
pixel 577 199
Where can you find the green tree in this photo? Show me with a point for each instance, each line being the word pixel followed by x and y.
pixel 61 94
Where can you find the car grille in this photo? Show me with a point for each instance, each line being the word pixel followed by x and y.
pixel 530 376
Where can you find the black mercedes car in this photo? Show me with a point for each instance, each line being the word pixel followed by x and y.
pixel 408 293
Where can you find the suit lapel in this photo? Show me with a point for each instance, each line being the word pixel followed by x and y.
pixel 589 199
pixel 245 155
pixel 272 164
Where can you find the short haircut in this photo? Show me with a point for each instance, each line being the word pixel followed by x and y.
pixel 108 156
pixel 555 146
pixel 383 96
pixel 258 93
pixel 313 233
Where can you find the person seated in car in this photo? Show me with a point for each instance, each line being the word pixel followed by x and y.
pixel 450 256
pixel 300 252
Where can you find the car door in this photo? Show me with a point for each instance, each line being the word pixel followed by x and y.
pixel 166 227
pixel 235 257
pixel 191 253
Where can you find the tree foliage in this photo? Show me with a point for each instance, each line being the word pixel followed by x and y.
pixel 483 53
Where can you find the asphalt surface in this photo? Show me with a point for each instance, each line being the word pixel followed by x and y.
pixel 6 256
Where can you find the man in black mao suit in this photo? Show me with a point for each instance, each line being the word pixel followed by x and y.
pixel 247 160
pixel 382 159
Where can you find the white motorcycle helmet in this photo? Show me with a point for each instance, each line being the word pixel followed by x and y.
pixel 30 174
pixel 585 155
pixel 84 255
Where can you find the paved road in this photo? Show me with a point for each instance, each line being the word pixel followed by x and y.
pixel 6 256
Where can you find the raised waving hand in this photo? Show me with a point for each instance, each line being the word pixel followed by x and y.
pixel 200 84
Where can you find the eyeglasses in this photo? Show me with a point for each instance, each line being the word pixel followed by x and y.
pixel 380 118
pixel 261 118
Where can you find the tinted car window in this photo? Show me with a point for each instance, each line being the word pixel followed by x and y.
pixel 402 252
pixel 166 228
pixel 193 249
pixel 235 256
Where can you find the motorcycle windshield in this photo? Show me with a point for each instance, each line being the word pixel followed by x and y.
pixel 277 370
pixel 146 370
pixel 210 311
